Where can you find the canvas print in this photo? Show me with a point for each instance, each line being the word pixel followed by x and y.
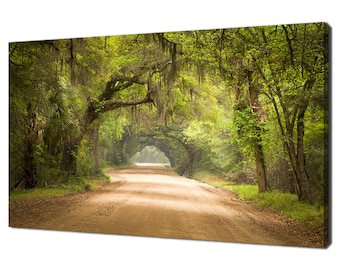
pixel 218 135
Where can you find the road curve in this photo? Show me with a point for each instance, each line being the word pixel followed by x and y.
pixel 151 201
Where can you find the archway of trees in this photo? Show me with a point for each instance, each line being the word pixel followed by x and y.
pixel 150 154
pixel 123 151
pixel 244 103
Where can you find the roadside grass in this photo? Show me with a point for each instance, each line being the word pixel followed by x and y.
pixel 71 186
pixel 310 215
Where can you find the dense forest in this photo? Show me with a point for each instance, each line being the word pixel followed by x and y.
pixel 247 104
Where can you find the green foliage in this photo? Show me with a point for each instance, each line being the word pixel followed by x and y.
pixel 73 185
pixel 199 111
pixel 284 203
pixel 112 127
pixel 32 194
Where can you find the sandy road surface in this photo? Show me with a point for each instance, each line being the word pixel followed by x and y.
pixel 150 201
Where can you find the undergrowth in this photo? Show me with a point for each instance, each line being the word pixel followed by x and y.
pixel 71 185
pixel 310 215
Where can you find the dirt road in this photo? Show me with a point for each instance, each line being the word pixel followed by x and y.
pixel 151 201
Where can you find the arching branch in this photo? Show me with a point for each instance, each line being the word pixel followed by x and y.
pixel 116 103
pixel 289 41
pixel 106 101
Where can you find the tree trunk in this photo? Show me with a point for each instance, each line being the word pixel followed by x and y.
pixel 30 141
pixel 291 180
pixel 304 181
pixel 187 165
pixel 30 170
pixel 69 159
pixel 164 147
pixel 194 156
pixel 72 63
pixel 297 156
pixel 120 156
pixel 258 150
pixel 182 167
pixel 298 165
pixel 260 167
pixel 95 152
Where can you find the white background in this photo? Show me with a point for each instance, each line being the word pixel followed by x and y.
pixel 34 20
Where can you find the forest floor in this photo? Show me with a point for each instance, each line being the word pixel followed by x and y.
pixel 152 201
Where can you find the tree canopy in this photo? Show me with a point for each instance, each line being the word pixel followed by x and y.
pixel 249 104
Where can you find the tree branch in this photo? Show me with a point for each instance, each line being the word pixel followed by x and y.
pixel 289 45
pixel 116 103
pixel 105 102
pixel 117 84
